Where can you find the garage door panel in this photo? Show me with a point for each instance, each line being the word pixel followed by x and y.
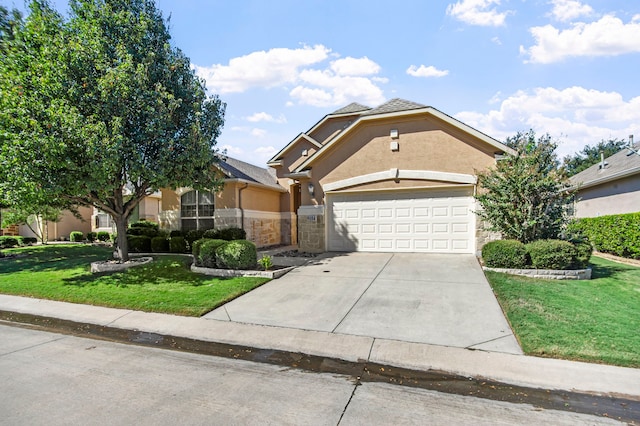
pixel 404 221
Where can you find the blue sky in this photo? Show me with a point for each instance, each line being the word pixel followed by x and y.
pixel 569 68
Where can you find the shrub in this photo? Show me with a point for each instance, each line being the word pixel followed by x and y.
pixel 175 233
pixel 29 240
pixel 266 262
pixel 193 235
pixel 76 236
pixel 212 234
pixel 552 254
pixel 103 236
pixel 8 241
pixel 177 245
pixel 616 234
pixel 237 254
pixel 91 236
pixel 148 229
pixel 231 234
pixel 505 254
pixel 159 245
pixel 139 243
pixel 145 224
pixel 207 252
pixel 195 247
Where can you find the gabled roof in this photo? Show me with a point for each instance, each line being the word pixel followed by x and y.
pixel 394 105
pixel 622 164
pixel 351 108
pixel 236 169
pixel 400 108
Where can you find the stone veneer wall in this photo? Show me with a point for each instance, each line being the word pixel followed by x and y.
pixel 311 230
pixel 483 236
pixel 263 228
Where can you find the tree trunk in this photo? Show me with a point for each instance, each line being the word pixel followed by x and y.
pixel 121 230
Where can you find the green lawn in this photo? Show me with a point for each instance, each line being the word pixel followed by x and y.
pixel 595 321
pixel 61 272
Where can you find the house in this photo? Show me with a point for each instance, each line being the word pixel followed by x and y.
pixel 55 230
pixel 610 187
pixel 249 199
pixel 398 177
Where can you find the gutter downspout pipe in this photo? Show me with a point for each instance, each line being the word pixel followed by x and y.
pixel 246 185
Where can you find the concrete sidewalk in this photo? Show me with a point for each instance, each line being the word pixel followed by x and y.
pixel 164 330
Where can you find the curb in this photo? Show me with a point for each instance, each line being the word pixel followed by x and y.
pixel 625 408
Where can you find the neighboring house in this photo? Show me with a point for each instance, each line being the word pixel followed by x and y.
pixel 610 187
pixel 54 231
pixel 399 177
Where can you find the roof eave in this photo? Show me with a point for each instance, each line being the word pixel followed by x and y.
pixel 605 179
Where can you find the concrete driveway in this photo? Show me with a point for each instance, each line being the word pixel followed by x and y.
pixel 425 298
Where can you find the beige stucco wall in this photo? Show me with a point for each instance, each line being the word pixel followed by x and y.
pixel 67 224
pixel 617 197
pixel 425 143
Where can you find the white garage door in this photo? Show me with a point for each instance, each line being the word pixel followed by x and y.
pixel 417 221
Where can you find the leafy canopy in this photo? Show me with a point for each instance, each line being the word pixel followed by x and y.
pixel 524 197
pixel 590 155
pixel 101 110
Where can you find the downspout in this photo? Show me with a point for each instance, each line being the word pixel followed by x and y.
pixel 240 204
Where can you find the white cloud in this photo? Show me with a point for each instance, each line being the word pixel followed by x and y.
pixel 575 115
pixel 478 12
pixel 354 66
pixel 263 116
pixel 253 131
pixel 232 151
pixel 316 82
pixel 423 71
pixel 326 88
pixel 568 10
pixel 497 41
pixel 261 69
pixel 259 133
pixel 608 36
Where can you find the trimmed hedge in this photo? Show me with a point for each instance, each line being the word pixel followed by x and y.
pixel 193 235
pixel 195 247
pixel 175 233
pixel 8 241
pixel 552 254
pixel 103 236
pixel 177 245
pixel 159 245
pixel 505 254
pixel 207 252
pixel 615 234
pixel 76 236
pixel 237 254
pixel 145 224
pixel 139 243
pixel 91 236
pixel 29 240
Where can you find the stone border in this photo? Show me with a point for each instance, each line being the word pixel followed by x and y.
pixel 110 266
pixel 241 273
pixel 551 274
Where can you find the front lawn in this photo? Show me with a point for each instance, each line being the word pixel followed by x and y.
pixel 61 272
pixel 596 320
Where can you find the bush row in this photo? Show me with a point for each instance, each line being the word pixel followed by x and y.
pixel 541 254
pixel 145 237
pixel 217 253
pixel 8 241
pixel 615 234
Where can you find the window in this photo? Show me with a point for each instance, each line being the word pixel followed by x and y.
pixel 103 220
pixel 196 210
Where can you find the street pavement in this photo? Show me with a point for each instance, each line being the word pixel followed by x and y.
pixel 56 379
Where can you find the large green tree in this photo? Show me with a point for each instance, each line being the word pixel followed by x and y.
pixel 524 197
pixel 99 109
pixel 590 155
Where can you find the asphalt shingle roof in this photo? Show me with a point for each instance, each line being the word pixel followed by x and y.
pixel 394 105
pixel 620 162
pixel 240 170
pixel 351 108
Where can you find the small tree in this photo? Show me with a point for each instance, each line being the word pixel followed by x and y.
pixel 525 196
pixel 36 220
pixel 101 110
